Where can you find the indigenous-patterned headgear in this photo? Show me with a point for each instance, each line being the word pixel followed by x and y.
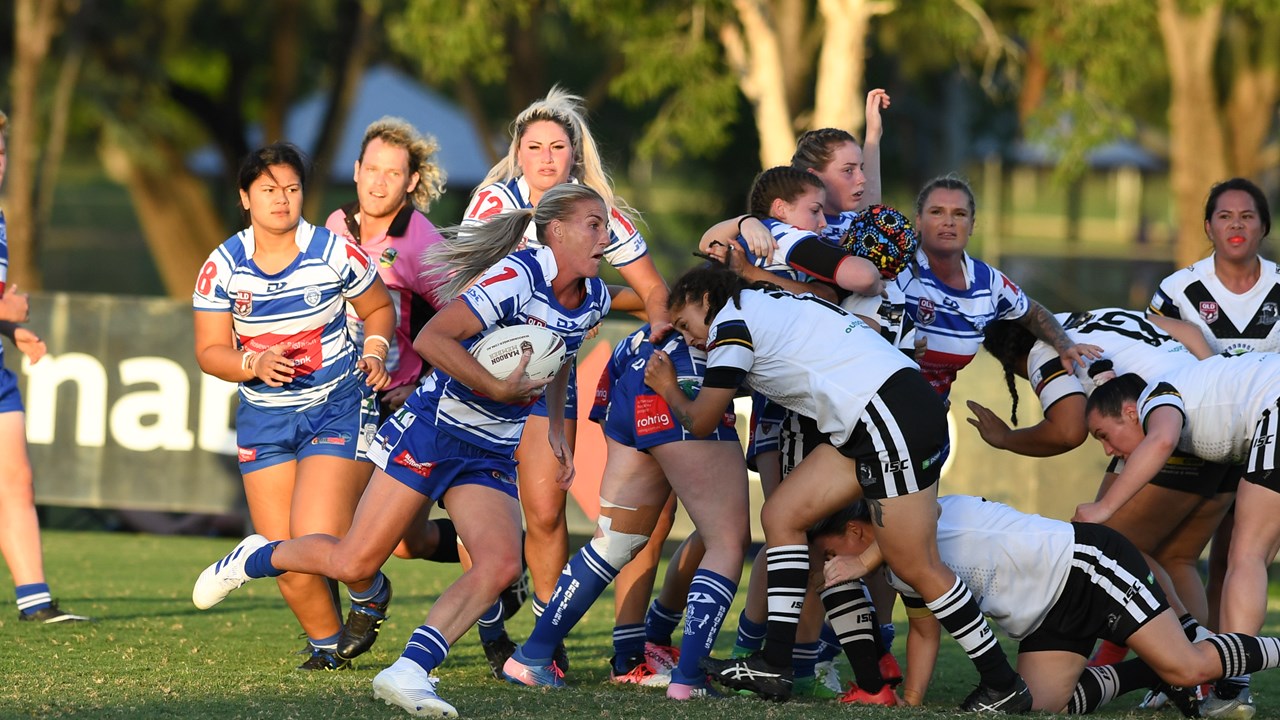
pixel 884 236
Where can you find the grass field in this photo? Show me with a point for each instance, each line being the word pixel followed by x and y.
pixel 153 655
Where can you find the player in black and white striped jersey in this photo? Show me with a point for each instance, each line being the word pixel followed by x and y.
pixel 1055 587
pixel 1173 518
pixel 886 440
pixel 1222 409
pixel 1234 296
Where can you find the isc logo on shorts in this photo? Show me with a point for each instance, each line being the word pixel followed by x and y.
pixel 652 415
pixel 248 454
pixel 407 460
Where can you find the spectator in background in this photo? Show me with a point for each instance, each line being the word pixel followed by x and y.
pixel 19 526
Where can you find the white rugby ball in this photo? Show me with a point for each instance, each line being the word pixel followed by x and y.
pixel 499 351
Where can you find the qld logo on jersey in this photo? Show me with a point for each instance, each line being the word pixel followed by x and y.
pixel 1209 311
pixel 928 311
pixel 244 303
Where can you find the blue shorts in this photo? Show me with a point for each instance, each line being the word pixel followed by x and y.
pixel 431 461
pixel 600 403
pixel 766 427
pixel 341 426
pixel 571 399
pixel 10 398
pixel 641 419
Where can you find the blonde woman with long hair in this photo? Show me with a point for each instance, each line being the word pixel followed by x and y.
pixel 550 145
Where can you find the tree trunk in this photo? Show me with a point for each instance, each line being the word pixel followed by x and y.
pixel 842 62
pixel 1197 148
pixel 350 67
pixel 63 93
pixel 33 29
pixel 798 33
pixel 1254 92
pixel 178 218
pixel 286 50
pixel 758 64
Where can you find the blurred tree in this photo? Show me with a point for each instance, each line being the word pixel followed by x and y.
pixel 798 63
pixel 36 23
pixel 1206 72
pixel 166 78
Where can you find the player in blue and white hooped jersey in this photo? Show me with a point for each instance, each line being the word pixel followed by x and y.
pixel 20 541
pixel 885 439
pixel 1233 296
pixel 454 440
pixel 270 315
pixel 552 144
pixel 1055 587
pixel 953 297
pixel 1173 517
pixel 1222 409
pixel 649 456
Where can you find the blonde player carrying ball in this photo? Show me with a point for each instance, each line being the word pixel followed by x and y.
pixel 455 438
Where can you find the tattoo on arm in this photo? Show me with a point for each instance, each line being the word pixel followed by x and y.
pixel 877 512
pixel 686 419
pixel 1045 326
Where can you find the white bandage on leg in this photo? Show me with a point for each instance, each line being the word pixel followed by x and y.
pixel 617 548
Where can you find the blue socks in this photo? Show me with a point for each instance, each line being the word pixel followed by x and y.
pixel 628 640
pixel 427 647
pixel 660 623
pixel 377 592
pixel 804 659
pixel 581 582
pixel 258 565
pixel 750 633
pixel 33 597
pixel 710 596
pixel 490 625
pixel 327 643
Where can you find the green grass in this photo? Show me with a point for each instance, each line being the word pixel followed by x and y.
pixel 153 655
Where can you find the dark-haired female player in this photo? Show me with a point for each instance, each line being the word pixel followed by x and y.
pixel 884 438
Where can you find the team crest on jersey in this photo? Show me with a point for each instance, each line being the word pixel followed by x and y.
pixel 311 296
pixel 928 312
pixel 244 303
pixel 1209 311
pixel 1269 314
pixel 866 477
pixel 388 257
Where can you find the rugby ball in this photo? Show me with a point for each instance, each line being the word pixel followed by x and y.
pixel 499 351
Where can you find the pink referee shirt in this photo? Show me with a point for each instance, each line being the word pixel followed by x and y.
pixel 398 255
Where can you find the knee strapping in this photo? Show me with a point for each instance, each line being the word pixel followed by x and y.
pixel 617 548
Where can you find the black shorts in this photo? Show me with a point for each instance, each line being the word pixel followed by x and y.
pixel 1187 473
pixel 899 443
pixel 1110 594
